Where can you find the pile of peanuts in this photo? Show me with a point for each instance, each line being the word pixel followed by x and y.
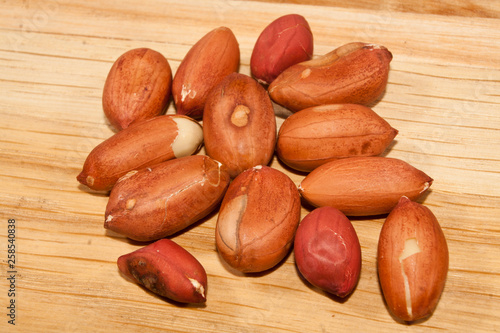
pixel 159 183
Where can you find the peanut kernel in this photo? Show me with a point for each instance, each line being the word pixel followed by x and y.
pixel 130 203
pixel 90 180
pixel 305 73
pixel 239 117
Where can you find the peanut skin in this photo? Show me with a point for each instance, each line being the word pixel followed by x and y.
pixel 319 134
pixel 286 41
pixel 159 201
pixel 139 146
pixel 166 269
pixel 355 73
pixel 362 186
pixel 214 56
pixel 239 126
pixel 327 251
pixel 412 260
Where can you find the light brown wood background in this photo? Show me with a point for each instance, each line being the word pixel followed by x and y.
pixel 443 96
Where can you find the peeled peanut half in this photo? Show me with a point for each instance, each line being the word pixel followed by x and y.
pixel 412 260
pixel 141 145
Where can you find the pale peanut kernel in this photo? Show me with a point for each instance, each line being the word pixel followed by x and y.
pixel 90 180
pixel 130 204
pixel 411 247
pixel 239 117
pixel 127 175
pixel 374 47
pixel 187 92
pixel 305 73
pixel 198 287
pixel 229 221
pixel 189 137
pixel 426 186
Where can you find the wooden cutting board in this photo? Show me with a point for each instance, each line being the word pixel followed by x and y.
pixel 443 97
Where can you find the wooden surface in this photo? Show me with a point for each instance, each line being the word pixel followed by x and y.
pixel 443 96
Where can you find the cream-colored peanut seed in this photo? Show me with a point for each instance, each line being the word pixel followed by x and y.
pixel 229 219
pixel 90 180
pixel 130 203
pixel 189 137
pixel 374 47
pixel 197 286
pixel 239 117
pixel 410 248
pixel 127 175
pixel 219 165
pixel 187 92
pixel 426 186
pixel 305 73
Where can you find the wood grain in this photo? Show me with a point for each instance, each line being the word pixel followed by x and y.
pixel 475 8
pixel 443 97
